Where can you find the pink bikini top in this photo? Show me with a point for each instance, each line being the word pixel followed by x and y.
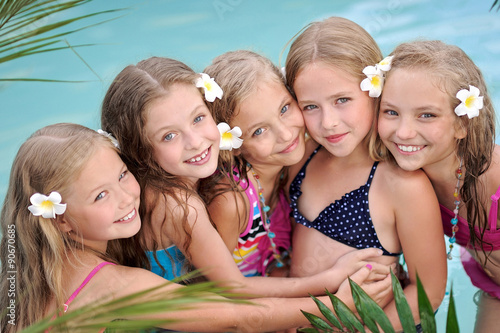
pixel 491 237
pixel 84 283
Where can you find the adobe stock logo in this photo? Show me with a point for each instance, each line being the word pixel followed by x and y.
pixel 223 6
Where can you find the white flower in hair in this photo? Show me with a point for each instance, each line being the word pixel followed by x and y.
pixel 471 102
pixel 373 82
pixel 47 206
pixel 385 64
pixel 229 138
pixel 108 135
pixel 211 88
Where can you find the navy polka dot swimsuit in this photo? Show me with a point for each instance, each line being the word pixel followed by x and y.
pixel 346 220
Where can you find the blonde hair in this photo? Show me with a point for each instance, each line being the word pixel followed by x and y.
pixel 451 70
pixel 239 74
pixel 48 161
pixel 124 114
pixel 336 42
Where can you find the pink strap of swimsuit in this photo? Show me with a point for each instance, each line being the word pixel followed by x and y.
pixel 87 279
pixel 494 210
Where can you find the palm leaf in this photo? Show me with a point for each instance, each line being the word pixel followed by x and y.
pixel 369 311
pixel 427 319
pixel 404 310
pixel 495 4
pixel 451 319
pixel 346 316
pixel 29 27
pixel 135 309
pixel 325 311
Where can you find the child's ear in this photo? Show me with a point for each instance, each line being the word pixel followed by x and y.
pixel 63 224
pixel 460 130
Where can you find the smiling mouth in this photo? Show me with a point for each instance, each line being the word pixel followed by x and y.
pixel 409 149
pixel 198 158
pixel 292 146
pixel 128 216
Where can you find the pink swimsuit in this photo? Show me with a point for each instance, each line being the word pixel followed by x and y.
pixel 87 279
pixel 491 239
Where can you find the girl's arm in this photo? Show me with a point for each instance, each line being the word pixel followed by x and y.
pixel 209 253
pixel 420 232
pixel 263 315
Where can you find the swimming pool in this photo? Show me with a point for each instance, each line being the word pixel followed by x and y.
pixel 196 31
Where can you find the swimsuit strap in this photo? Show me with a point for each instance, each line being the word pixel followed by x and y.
pixel 493 217
pixel 87 279
pixel 372 172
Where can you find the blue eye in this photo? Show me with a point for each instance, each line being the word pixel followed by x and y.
pixel 100 196
pixel 427 115
pixel 309 107
pixel 285 109
pixel 198 119
pixel 391 112
pixel 168 137
pixel 342 100
pixel 123 175
pixel 258 131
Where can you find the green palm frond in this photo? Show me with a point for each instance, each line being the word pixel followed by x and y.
pixel 135 312
pixel 374 317
pixel 29 27
pixel 495 4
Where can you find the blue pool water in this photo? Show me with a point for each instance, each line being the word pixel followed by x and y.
pixel 195 31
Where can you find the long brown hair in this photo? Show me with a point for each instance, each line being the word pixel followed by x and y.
pixel 123 114
pixel 32 246
pixel 452 70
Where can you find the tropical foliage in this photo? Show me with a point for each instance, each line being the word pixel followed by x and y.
pixel 30 27
pixel 373 317
pixel 133 309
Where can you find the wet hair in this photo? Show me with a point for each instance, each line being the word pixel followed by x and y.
pixel 335 42
pixel 124 114
pixel 450 69
pixel 50 160
pixel 239 74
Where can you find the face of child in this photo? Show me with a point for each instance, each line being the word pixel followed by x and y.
pixel 416 122
pixel 337 113
pixel 103 203
pixel 183 133
pixel 272 126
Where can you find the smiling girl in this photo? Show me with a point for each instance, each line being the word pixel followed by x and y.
pixel 170 141
pixel 69 200
pixel 436 115
pixel 341 198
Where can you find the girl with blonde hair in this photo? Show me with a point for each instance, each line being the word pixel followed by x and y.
pixel 252 213
pixel 341 198
pixel 70 197
pixel 436 115
pixel 170 141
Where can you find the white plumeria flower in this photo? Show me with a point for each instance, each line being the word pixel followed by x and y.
pixel 47 206
pixel 229 138
pixel 108 135
pixel 374 81
pixel 471 102
pixel 212 89
pixel 385 64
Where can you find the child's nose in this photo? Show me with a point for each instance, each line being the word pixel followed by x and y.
pixel 405 130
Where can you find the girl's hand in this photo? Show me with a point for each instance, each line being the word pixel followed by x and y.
pixel 380 291
pixel 353 261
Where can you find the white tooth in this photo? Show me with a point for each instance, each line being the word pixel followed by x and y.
pixel 203 155
pixel 192 160
pixel 198 159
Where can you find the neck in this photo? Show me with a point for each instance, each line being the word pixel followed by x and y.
pixel 443 176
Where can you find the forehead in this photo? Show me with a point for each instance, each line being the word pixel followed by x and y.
pixel 181 97
pixel 266 97
pixel 103 164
